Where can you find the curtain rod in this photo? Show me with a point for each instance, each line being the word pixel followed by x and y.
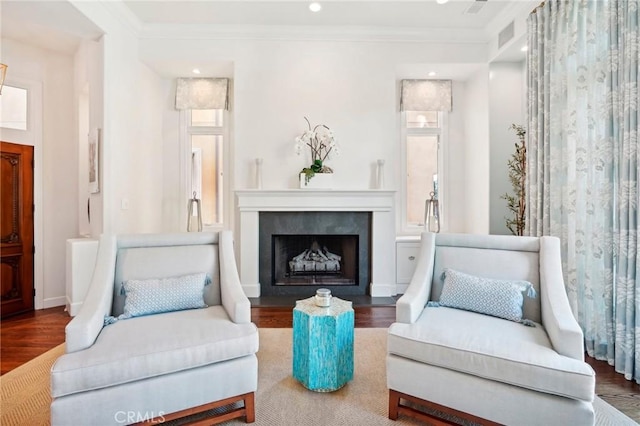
pixel 537 7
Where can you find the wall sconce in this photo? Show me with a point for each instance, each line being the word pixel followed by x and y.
pixel 194 223
pixel 3 74
pixel 432 214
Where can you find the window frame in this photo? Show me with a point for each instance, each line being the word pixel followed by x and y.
pixel 443 135
pixel 186 131
pixel 27 109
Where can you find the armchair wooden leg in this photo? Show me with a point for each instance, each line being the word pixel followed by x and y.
pixel 250 408
pixel 247 411
pixel 396 407
pixel 394 401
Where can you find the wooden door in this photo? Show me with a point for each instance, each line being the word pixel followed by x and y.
pixel 16 228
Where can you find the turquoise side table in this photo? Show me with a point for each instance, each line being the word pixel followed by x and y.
pixel 323 344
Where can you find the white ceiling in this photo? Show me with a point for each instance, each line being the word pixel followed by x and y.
pixel 54 25
pixel 412 14
pixel 58 25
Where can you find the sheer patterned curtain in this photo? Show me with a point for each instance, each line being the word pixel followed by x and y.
pixel 583 163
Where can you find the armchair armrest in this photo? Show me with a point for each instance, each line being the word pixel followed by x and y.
pixel 411 304
pixel 557 318
pixel 234 300
pixel 83 330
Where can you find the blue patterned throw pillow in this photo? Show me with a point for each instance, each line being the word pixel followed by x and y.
pixel 499 298
pixel 157 295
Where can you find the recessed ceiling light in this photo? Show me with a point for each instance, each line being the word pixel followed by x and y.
pixel 315 7
pixel 524 48
pixel 195 71
pixel 432 74
pixel 441 1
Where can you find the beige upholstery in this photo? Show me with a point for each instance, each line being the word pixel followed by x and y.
pixel 486 368
pixel 155 365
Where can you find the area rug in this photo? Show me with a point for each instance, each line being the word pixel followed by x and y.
pixel 280 399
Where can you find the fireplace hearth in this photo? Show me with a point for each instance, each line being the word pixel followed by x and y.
pixel 303 251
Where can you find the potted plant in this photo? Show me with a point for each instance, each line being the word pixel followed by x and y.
pixel 517 175
pixel 321 143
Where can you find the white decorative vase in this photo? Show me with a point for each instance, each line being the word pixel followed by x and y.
pixel 318 181
pixel 380 175
pixel 258 173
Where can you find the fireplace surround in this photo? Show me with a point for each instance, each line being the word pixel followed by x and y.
pixel 378 203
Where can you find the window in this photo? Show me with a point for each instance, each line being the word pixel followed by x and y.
pixel 423 138
pixel 204 123
pixel 13 108
pixel 424 106
pixel 206 134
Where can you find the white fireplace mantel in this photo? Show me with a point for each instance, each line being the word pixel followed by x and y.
pixel 250 202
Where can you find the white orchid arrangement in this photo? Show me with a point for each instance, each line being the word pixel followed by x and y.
pixel 321 142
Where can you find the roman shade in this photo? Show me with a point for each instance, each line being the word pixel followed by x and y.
pixel 202 93
pixel 426 95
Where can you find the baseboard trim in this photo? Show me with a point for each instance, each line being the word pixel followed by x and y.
pixel 52 302
pixel 73 308
pixel 251 290
pixel 382 290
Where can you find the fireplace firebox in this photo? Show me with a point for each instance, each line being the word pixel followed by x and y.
pixel 303 251
pixel 315 259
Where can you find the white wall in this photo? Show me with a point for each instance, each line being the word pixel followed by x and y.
pixel 131 186
pixel 88 93
pixel 455 187
pixel 137 152
pixel 350 86
pixel 59 207
pixel 133 139
pixel 506 96
pixel 174 206
pixel 476 125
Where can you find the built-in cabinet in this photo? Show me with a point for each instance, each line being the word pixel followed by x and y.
pixel 407 250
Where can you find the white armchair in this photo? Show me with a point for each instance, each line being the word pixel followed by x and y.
pixel 481 367
pixel 162 365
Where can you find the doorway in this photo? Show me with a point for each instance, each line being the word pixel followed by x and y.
pixel 16 229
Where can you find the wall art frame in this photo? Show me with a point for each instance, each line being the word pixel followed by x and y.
pixel 94 160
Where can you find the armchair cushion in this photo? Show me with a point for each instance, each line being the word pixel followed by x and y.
pixel 493 349
pixel 151 346
pixel 522 262
pixel 158 295
pixel 147 262
pixel 499 298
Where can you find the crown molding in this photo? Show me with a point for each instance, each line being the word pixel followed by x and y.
pixel 123 14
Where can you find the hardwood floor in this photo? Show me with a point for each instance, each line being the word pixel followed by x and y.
pixel 613 388
pixel 26 336
pixel 365 317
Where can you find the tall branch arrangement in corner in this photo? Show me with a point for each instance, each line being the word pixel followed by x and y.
pixel 517 174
